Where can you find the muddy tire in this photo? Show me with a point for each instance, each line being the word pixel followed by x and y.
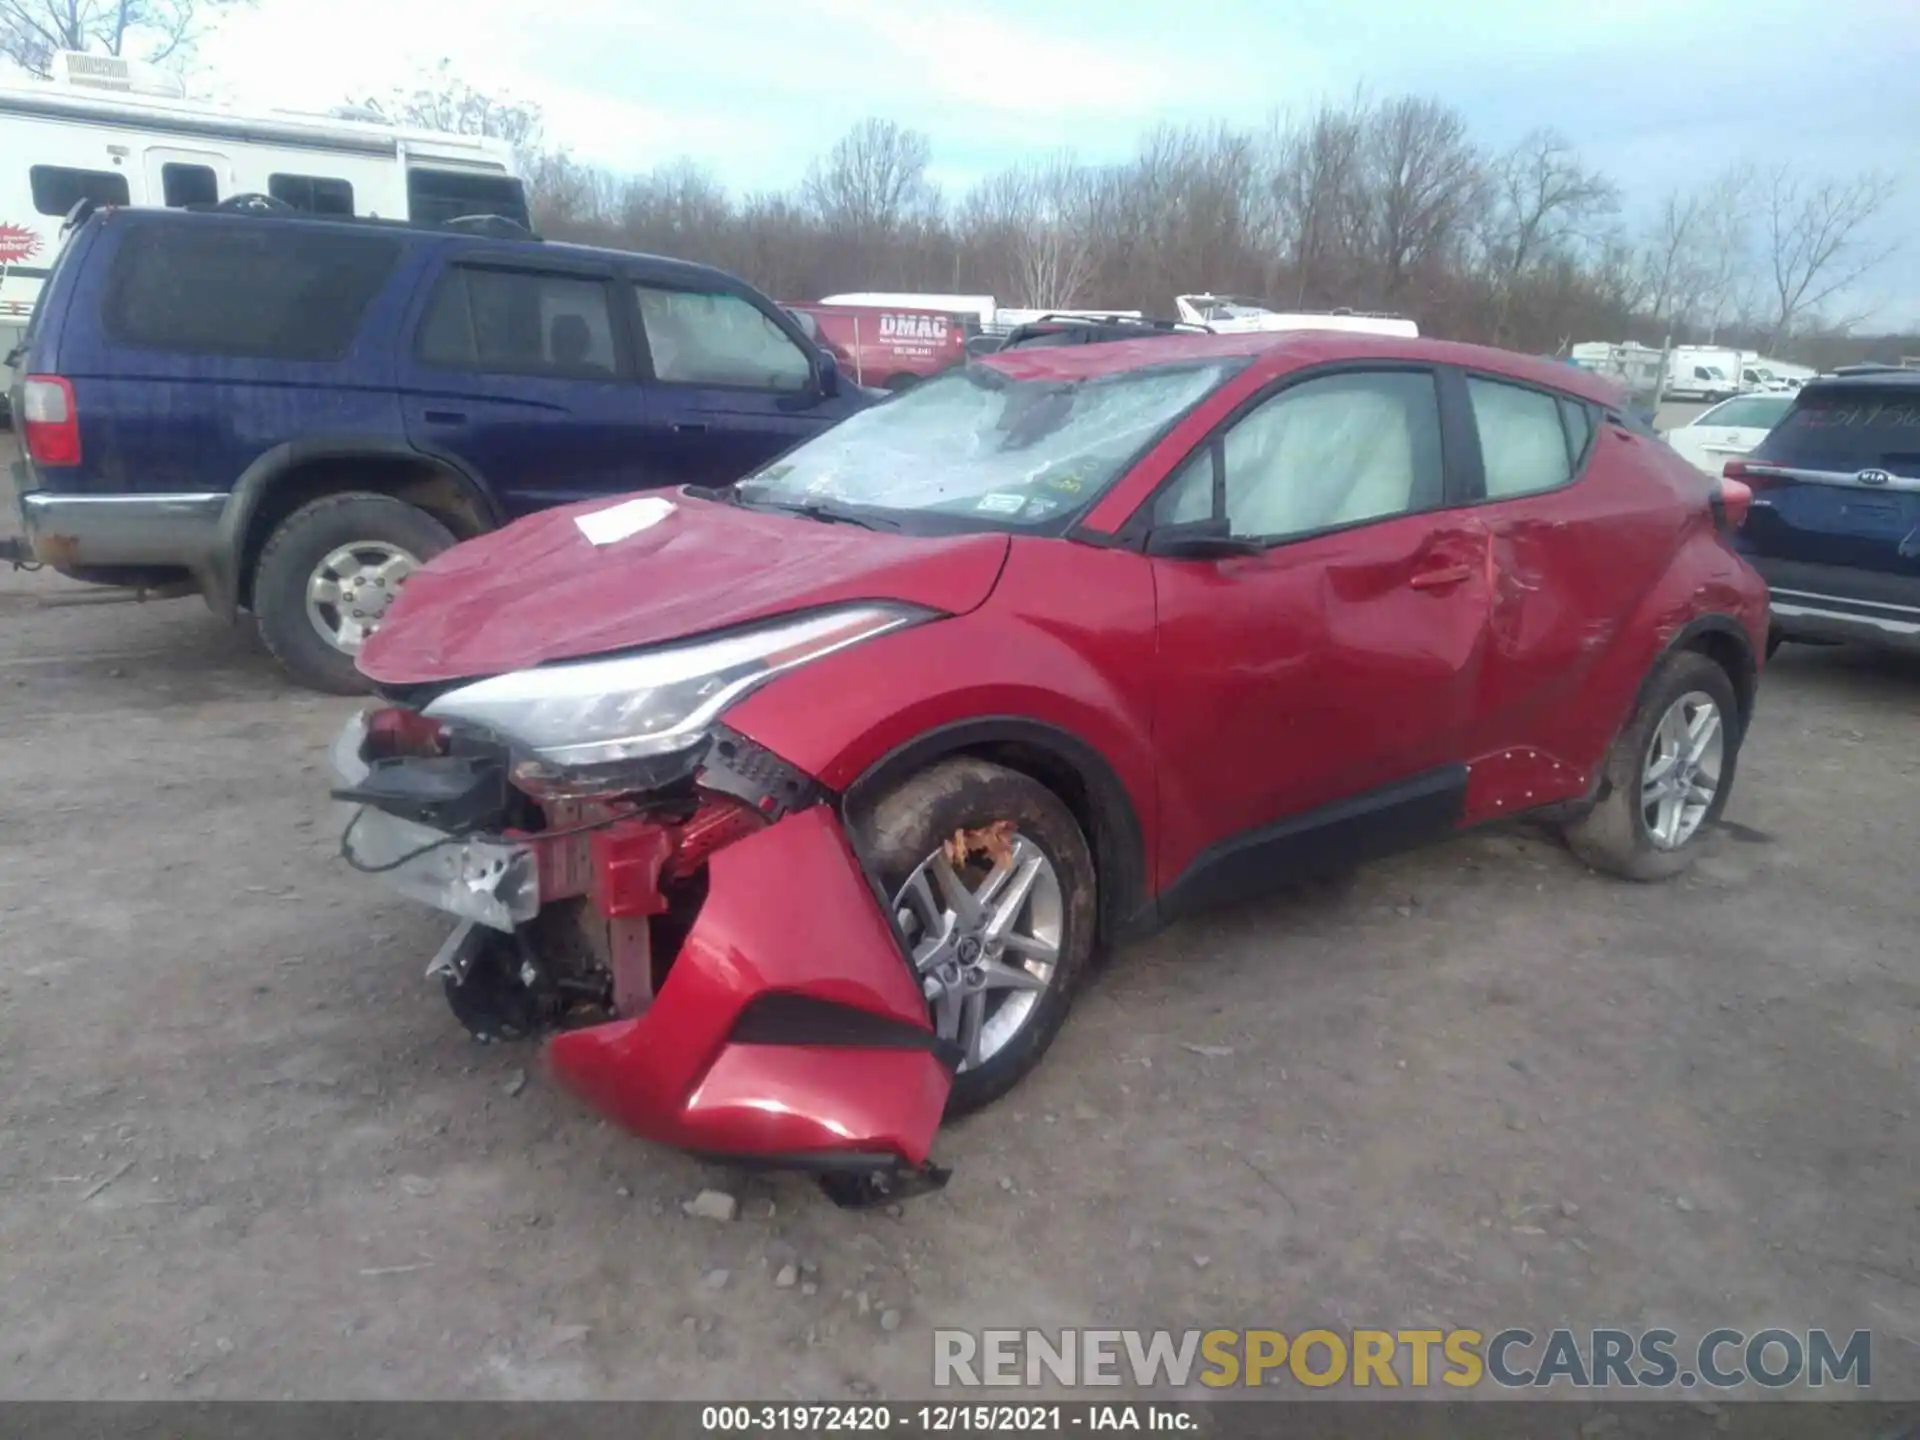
pixel 1053 911
pixel 1657 806
pixel 340 541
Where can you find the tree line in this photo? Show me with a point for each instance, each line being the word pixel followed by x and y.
pixel 1368 204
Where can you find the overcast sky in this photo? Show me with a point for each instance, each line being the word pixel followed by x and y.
pixel 1654 93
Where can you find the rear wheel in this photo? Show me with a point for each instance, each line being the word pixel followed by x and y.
pixel 328 575
pixel 992 885
pixel 1668 776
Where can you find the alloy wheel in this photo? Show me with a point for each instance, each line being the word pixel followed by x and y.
pixel 1681 773
pixel 350 591
pixel 985 935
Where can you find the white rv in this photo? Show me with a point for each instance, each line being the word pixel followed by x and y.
pixel 101 131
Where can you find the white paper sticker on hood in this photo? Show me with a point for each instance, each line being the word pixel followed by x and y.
pixel 629 517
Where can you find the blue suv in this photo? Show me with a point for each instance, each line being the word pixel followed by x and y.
pixel 1835 520
pixel 288 415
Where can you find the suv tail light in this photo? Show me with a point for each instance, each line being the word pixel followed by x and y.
pixel 51 420
pixel 1733 495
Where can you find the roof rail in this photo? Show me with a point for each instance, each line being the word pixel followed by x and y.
pixel 493 227
pixel 1145 322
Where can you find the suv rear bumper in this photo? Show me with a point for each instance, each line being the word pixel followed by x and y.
pixel 1833 602
pixel 91 536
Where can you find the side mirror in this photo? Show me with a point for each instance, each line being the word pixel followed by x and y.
pixel 826 375
pixel 1197 540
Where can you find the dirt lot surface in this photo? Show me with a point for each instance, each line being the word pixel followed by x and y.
pixel 247 1151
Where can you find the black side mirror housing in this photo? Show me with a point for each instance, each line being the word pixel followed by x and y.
pixel 826 375
pixel 1211 539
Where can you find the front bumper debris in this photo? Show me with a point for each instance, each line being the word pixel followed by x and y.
pixel 725 1061
pixel 786 1029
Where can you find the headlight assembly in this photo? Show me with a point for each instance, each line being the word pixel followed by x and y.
pixel 655 702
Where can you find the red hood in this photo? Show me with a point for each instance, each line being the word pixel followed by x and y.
pixel 539 590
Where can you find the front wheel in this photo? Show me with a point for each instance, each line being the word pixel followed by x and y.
pixel 327 577
pixel 1668 776
pixel 992 885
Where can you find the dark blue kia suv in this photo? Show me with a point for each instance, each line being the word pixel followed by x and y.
pixel 1835 520
pixel 287 415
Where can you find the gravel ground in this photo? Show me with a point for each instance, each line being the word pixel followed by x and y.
pixel 248 1153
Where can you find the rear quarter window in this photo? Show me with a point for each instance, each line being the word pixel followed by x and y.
pixel 1848 429
pixel 264 292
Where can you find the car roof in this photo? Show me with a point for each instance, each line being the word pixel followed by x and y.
pixel 530 245
pixel 1892 378
pixel 1273 352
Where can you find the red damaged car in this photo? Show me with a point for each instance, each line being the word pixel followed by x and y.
pixel 793 813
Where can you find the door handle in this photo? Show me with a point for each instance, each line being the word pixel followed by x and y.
pixel 1446 575
pixel 444 417
pixel 689 427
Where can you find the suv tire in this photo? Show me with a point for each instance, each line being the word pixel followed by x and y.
pixel 1615 836
pixel 913 825
pixel 306 549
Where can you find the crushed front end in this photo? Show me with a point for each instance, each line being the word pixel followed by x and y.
pixel 685 925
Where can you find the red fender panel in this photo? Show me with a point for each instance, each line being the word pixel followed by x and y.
pixel 788 909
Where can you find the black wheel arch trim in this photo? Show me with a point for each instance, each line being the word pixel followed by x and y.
pixel 1120 856
pixel 283 460
pixel 1746 682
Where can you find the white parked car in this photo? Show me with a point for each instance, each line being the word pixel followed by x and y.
pixel 1729 430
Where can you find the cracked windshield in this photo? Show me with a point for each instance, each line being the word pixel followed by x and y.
pixel 977 442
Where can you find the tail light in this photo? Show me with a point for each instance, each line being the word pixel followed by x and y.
pixel 51 420
pixel 1733 495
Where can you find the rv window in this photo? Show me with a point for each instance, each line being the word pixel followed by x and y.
pixel 262 292
pixel 315 194
pixel 56 189
pixel 188 185
pixel 437 196
pixel 510 322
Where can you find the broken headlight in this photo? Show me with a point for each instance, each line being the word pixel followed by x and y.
pixel 656 702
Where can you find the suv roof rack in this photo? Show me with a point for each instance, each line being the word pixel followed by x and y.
pixel 1142 322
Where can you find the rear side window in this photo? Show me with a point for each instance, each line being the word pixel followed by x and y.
pixel 1523 440
pixel 56 189
pixel 270 292
pixel 437 196
pixel 1847 429
pixel 316 194
pixel 514 322
pixel 188 185
pixel 1578 418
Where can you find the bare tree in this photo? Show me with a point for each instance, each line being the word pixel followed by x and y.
pixel 32 31
pixel 1723 269
pixel 873 182
pixel 443 100
pixel 1423 179
pixel 1544 199
pixel 1815 247
pixel 1036 227
pixel 1315 189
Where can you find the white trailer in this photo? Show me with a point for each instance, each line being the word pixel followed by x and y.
pixel 1231 315
pixel 96 133
pixel 1704 372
